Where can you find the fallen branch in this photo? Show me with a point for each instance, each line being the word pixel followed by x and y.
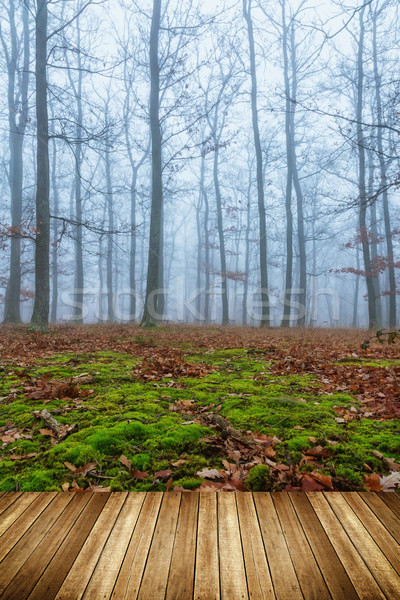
pixel 60 430
pixel 228 430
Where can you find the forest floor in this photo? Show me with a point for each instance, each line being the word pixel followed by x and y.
pixel 197 408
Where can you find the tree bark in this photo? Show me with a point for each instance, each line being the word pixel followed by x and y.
pixel 265 310
pixel 110 220
pixel 221 239
pixel 363 199
pixel 16 138
pixel 40 317
pixel 383 177
pixel 150 316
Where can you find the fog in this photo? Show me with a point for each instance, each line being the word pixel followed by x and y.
pixel 187 161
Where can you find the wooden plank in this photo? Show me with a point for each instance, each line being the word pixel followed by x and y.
pixel 363 581
pixel 283 575
pixel 155 576
pixel 31 539
pixel 14 510
pixel 130 575
pixel 231 560
pixel 335 576
pixel 259 582
pixel 376 529
pixel 103 579
pixel 380 567
pixel 25 520
pixel 181 574
pixel 75 583
pixel 7 498
pixel 55 573
pixel 311 581
pixel 206 579
pixel 383 512
pixel 27 577
pixel 392 501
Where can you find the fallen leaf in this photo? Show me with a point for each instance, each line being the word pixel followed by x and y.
pixel 47 432
pixel 309 484
pixel 209 474
pixel 125 461
pixel 391 482
pixel 139 474
pixel 179 463
pixel 22 456
pixel 162 474
pixel 373 482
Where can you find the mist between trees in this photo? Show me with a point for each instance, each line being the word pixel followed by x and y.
pixel 185 160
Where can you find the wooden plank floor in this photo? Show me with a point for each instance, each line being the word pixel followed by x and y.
pixel 207 546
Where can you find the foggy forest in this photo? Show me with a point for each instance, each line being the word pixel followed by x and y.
pixel 199 292
pixel 231 162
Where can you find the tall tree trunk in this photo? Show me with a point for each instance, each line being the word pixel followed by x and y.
pixel 110 219
pixel 132 252
pixel 354 323
pixel 247 255
pixel 199 237
pixel 372 320
pixel 54 248
pixel 221 239
pixel 79 278
pixel 40 317
pixel 265 310
pixel 207 264
pixel 289 176
pixel 301 321
pixel 374 231
pixel 17 130
pixel 150 316
pixel 383 182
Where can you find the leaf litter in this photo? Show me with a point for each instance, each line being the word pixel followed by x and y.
pixel 333 361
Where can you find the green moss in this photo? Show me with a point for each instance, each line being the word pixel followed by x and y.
pixel 39 481
pixel 260 479
pixel 189 483
pixel 127 416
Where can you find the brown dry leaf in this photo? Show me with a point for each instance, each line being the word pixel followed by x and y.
pixel 373 482
pixel 99 488
pixel 269 452
pixel 179 463
pixel 125 461
pixel 139 474
pixel 65 486
pixel 320 452
pixel 70 467
pixel 7 439
pixel 163 474
pixel 47 432
pixel 22 456
pixel 309 484
pixel 325 480
pixel 83 471
pixel 391 464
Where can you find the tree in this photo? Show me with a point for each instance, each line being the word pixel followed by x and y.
pixel 149 316
pixel 18 119
pixel 363 197
pixel 265 312
pixel 40 315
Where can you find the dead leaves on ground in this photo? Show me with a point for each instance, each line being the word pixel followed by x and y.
pixel 167 363
pixel 45 389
